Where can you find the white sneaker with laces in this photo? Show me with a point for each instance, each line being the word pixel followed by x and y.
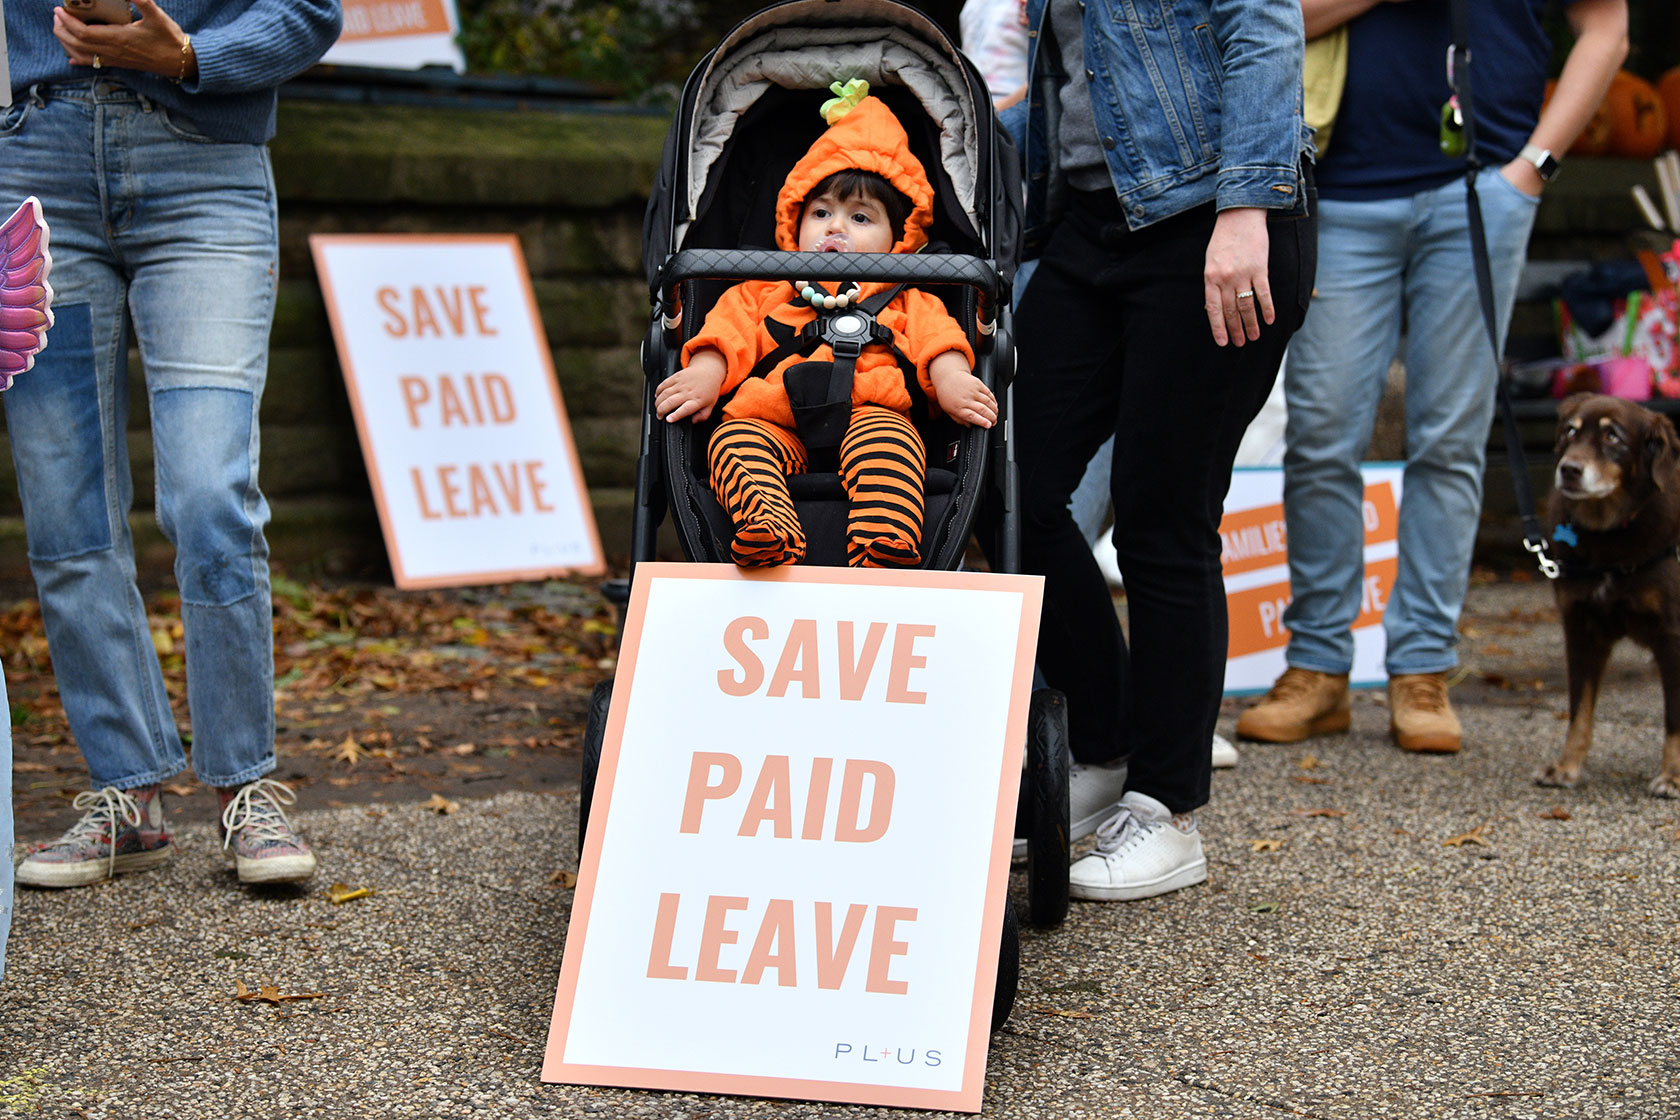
pixel 1224 754
pixel 1141 852
pixel 1094 792
pixel 1093 796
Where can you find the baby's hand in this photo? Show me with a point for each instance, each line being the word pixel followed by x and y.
pixel 961 395
pixel 693 390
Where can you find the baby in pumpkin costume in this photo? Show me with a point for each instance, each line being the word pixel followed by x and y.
pixel 765 353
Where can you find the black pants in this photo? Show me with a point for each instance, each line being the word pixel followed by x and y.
pixel 1113 339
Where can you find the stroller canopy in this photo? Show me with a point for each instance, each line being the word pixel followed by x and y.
pixel 807 44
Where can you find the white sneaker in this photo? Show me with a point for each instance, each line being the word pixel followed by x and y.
pixel 1224 754
pixel 1107 559
pixel 1141 852
pixel 1094 795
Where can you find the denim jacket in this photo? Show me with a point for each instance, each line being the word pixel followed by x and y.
pixel 1163 74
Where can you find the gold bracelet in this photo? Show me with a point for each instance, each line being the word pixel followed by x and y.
pixel 186 52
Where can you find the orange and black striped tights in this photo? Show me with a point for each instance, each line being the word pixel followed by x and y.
pixel 883 466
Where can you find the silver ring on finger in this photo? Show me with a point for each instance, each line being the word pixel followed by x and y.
pixel 1246 295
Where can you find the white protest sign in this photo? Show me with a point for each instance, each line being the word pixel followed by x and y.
pixel 798 851
pixel 399 34
pixel 466 440
pixel 1255 558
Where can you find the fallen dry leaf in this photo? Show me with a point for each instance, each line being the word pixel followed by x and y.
pixel 1062 1013
pixel 1308 779
pixel 349 752
pixel 1333 813
pixel 441 805
pixel 1555 813
pixel 268 993
pixel 462 748
pixel 1309 762
pixel 338 894
pixel 1474 836
pixel 1264 845
pixel 563 879
pixel 180 789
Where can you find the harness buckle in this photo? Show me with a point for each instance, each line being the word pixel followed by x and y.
pixel 847 332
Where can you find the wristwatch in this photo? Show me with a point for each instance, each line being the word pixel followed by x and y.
pixel 1543 160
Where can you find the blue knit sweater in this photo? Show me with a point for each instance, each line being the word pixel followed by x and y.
pixel 245 48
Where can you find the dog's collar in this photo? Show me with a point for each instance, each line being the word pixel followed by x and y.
pixel 1568 534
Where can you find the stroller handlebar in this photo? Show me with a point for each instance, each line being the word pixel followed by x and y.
pixel 776 264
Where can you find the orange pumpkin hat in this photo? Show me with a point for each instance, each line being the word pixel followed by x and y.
pixel 862 135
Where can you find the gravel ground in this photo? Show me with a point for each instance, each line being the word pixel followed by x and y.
pixel 1382 936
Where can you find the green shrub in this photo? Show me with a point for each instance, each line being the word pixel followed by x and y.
pixel 640 50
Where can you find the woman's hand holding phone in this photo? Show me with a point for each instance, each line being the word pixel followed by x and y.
pixel 153 43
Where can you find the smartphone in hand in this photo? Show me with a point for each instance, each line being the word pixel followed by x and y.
pixel 100 11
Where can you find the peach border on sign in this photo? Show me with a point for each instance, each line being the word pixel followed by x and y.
pixel 968 1097
pixel 318 242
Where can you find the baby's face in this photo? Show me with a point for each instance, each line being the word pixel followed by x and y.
pixel 849 225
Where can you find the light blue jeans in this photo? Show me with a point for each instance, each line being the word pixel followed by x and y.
pixel 1380 261
pixel 5 822
pixel 155 225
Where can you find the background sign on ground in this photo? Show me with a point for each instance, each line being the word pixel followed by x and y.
pixel 794 876
pixel 1256 563
pixel 400 34
pixel 458 410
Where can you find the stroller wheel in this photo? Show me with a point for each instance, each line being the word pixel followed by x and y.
pixel 1048 763
pixel 594 734
pixel 1009 966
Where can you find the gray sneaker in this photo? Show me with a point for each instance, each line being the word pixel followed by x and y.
pixel 120 831
pixel 255 832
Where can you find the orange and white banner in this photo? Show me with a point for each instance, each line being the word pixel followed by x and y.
pixel 462 426
pixel 400 34
pixel 1255 557
pixel 754 913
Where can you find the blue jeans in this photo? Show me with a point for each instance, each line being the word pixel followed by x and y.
pixel 5 822
pixel 1379 260
pixel 156 226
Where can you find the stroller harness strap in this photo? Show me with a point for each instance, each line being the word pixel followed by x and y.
pixel 820 392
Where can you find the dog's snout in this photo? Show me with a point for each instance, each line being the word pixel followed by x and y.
pixel 1569 473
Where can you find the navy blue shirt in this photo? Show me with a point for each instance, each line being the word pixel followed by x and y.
pixel 1388 129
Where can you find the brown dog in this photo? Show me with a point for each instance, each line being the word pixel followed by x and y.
pixel 1615 511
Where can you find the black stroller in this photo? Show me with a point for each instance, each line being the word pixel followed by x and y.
pixel 748 112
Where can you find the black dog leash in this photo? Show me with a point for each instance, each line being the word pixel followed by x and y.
pixel 1458 75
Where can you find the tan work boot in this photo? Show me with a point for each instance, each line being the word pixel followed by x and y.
pixel 1420 716
pixel 1302 703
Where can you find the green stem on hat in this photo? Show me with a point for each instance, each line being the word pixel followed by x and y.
pixel 845 99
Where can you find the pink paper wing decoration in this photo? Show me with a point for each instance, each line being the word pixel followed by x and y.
pixel 25 295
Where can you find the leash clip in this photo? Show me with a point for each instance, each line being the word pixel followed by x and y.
pixel 1548 567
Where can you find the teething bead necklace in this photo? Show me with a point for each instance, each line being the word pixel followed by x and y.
pixel 816 297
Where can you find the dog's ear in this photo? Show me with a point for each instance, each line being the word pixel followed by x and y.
pixel 1662 448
